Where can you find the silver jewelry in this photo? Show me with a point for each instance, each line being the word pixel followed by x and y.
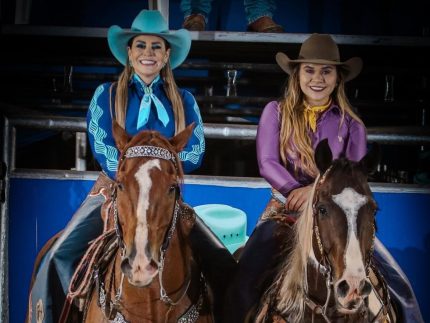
pixel 149 151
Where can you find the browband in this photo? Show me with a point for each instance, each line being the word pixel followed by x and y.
pixel 149 151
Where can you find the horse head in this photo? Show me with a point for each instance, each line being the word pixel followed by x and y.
pixel 344 225
pixel 334 237
pixel 147 192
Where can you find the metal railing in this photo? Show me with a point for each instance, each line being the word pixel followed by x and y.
pixel 386 135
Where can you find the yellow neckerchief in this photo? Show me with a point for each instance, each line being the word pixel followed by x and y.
pixel 312 112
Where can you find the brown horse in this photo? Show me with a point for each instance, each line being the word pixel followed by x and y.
pixel 329 275
pixel 152 277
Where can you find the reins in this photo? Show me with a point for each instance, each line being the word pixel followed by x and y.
pixel 163 249
pixel 325 265
pixel 111 308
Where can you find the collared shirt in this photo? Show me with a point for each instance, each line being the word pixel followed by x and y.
pixel 348 139
pixel 99 122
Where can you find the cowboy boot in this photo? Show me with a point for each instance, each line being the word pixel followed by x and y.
pixel 265 25
pixel 195 22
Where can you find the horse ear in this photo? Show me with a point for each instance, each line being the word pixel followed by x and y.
pixel 120 135
pixel 180 140
pixel 323 156
pixel 372 159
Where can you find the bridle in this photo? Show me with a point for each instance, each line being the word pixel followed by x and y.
pixel 155 152
pixel 159 153
pixel 324 264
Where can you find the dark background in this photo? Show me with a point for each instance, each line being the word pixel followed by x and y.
pixel 34 66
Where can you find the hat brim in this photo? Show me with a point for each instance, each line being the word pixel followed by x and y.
pixel 350 68
pixel 179 42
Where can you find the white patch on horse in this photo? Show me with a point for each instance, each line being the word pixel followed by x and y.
pixel 145 184
pixel 350 202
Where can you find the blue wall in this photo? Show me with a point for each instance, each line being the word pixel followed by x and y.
pixel 40 208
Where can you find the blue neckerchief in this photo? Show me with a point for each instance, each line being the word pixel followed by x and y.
pixel 145 103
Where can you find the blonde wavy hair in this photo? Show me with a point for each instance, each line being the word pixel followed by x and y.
pixel 121 98
pixel 294 140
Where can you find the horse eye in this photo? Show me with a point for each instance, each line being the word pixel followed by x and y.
pixel 322 211
pixel 172 189
pixel 120 186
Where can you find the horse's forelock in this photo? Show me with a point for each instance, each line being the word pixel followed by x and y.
pixel 346 173
pixel 152 138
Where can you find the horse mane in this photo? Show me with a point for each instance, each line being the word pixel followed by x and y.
pixel 292 279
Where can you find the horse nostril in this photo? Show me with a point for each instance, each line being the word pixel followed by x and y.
pixel 125 266
pixel 366 287
pixel 342 288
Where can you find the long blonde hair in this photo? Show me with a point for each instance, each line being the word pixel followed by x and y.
pixel 121 98
pixel 294 140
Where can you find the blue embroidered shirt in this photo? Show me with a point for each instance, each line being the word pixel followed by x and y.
pixel 99 124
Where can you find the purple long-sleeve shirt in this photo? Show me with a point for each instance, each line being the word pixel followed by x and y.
pixel 349 140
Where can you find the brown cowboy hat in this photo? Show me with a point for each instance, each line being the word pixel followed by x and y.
pixel 321 49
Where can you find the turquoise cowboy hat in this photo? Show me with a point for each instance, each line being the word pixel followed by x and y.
pixel 150 22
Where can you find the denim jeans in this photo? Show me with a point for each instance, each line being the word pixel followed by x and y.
pixel 254 9
pixel 56 269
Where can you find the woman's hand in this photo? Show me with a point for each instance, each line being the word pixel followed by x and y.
pixel 297 198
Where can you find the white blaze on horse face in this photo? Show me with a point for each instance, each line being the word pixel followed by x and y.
pixel 141 237
pixel 350 202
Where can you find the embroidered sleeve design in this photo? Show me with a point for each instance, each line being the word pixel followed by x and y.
pixel 109 152
pixel 194 155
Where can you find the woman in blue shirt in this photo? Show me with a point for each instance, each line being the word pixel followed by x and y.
pixel 144 98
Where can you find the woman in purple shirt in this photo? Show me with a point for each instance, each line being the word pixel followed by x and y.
pixel 314 107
